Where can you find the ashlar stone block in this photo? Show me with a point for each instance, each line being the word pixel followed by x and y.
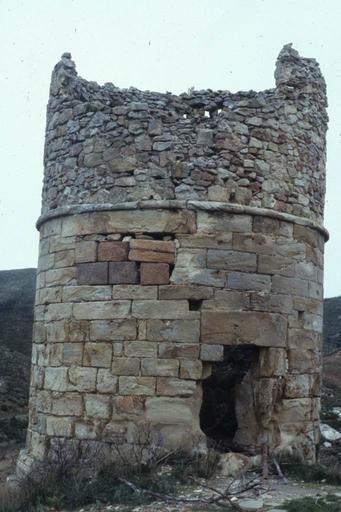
pixel 154 273
pixel 107 382
pixel 137 385
pixel 98 406
pixel 238 327
pixel 92 273
pixel 126 366
pixel 101 310
pixel 160 367
pixel 123 272
pixel 98 354
pixel 113 251
pixel 183 330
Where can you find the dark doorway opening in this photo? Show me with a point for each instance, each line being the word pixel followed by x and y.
pixel 218 419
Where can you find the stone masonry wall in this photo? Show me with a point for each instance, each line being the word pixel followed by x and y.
pixel 168 236
pixel 107 145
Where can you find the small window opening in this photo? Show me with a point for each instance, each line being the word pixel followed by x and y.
pixel 194 304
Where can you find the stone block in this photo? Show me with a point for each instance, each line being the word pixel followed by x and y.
pixel 178 351
pixel 162 309
pixel 153 245
pixel 231 299
pixel 58 312
pixel 106 381
pixel 210 222
pixel 101 310
pixel 276 303
pixel 64 259
pixel 211 352
pixel 56 379
pixel 130 291
pixel 250 282
pixel 308 236
pixel 49 295
pixel 123 272
pixel 86 430
pixel 154 273
pixel 308 305
pixel 206 241
pixel 273 362
pixel 295 410
pixel 57 244
pixel 184 331
pixel 98 406
pixel 272 227
pixel 279 265
pixel 169 386
pixel 137 385
pixel 197 276
pixel 191 258
pixel 304 361
pixel 66 404
pixel 60 276
pixel 176 292
pixel 39 332
pixel 86 251
pixel 113 251
pixel 129 404
pixel 59 427
pixel 290 286
pixel 191 370
pixel 160 367
pixel 298 386
pixel 257 243
pixel 231 260
pixel 304 339
pixel 113 330
pixel 315 290
pixel 45 262
pixel 140 349
pixel 130 221
pixel 82 379
pixel 98 354
pixel 170 411
pixel 150 256
pixel 72 353
pixel 78 330
pixel 126 366
pixel 92 273
pixel 231 328
pixel 51 228
pixel 86 293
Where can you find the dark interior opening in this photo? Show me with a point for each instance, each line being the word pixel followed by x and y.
pixel 217 415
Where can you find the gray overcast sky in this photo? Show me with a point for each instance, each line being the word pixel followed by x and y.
pixel 158 45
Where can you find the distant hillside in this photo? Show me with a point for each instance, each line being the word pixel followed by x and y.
pixel 332 324
pixel 17 289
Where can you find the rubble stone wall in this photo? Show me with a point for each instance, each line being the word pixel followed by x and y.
pixel 168 235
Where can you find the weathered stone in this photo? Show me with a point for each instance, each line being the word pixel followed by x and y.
pixel 154 273
pixel 172 411
pixel 92 273
pixel 211 352
pixel 279 265
pixel 191 258
pixel 101 310
pixel 123 272
pixel 126 366
pixel 140 349
pixel 273 362
pixel 304 361
pixel 168 386
pixel 205 277
pixel 219 240
pixel 129 404
pixel 174 292
pixel 71 353
pixel 231 260
pixel 160 367
pixel 56 379
pixel 130 291
pixel 60 276
pixel 137 385
pixel 276 303
pixel 106 381
pixel 304 339
pixel 86 293
pixel 109 330
pixel 191 370
pixel 85 430
pixel 184 331
pixel 209 222
pixel 251 282
pixel 85 252
pixel 59 427
pixel 66 404
pixel 113 251
pixel 163 309
pixel 97 406
pixel 98 354
pixel 226 328
pixel 178 351
pixel 81 379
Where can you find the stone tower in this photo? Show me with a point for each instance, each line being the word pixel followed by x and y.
pixel 181 265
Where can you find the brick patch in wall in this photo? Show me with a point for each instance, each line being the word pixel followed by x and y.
pixel 92 273
pixel 154 273
pixel 113 251
pixel 123 272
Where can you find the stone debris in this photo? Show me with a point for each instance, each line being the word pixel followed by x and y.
pixel 328 433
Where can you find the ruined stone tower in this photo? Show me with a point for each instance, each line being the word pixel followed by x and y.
pixel 181 265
